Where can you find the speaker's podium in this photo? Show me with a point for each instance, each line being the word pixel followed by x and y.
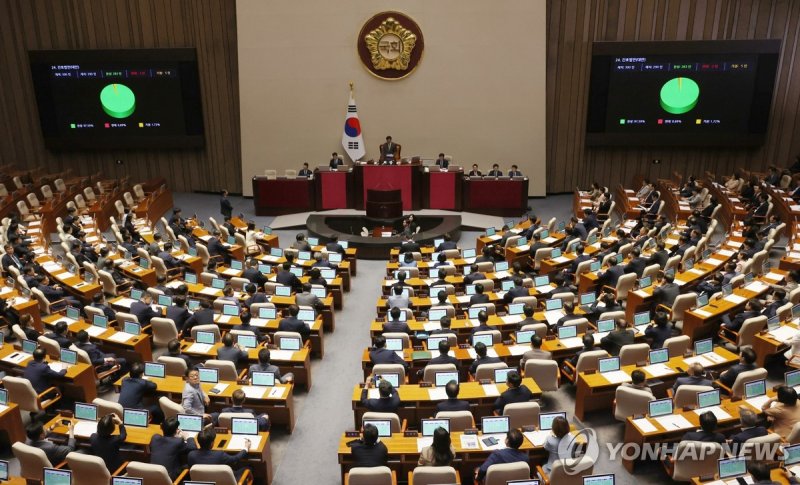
pixel 384 204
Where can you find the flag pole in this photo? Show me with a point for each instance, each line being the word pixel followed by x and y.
pixel 351 87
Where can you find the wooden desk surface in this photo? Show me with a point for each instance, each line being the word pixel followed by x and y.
pixel 398 444
pixel 467 391
pixel 81 376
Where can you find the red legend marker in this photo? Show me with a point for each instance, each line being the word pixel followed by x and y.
pixel 108 125
pixel 660 122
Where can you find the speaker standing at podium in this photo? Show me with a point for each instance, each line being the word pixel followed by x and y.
pixel 390 152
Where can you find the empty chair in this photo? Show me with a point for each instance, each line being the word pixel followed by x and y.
pixel 224 419
pixel 173 366
pixel 502 473
pixel 164 330
pixel 459 420
pixel 680 306
pixel 376 475
pixel 213 328
pixel 522 414
pixel 21 392
pixel 630 401
pixel 631 354
pixel 586 361
pixel 31 461
pixel 88 469
pixel 677 346
pixel 290 173
pixel 33 201
pixel 226 368
pixel 432 475
pixel 497 337
pixel 684 469
pixel 545 373
pixel 219 475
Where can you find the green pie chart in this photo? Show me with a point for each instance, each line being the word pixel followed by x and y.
pixel 679 95
pixel 118 100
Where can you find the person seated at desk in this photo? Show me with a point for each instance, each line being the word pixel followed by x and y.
pixel 474 274
pixel 119 279
pixel 453 403
pixel 708 430
pixel 264 365
pixel 750 429
pixel 658 331
pixel 154 247
pixel 397 299
pixel 442 162
pixel 335 161
pixel 321 262
pixel 315 278
pixel 408 261
pixel 368 451
pixel 25 324
pixel 482 358
pixel 333 245
pixel 509 454
pixel 231 352
pixel 710 286
pixel 37 437
pixel 170 261
pixel 782 411
pixel 440 452
pixel 99 302
pixel 617 338
pixel 514 172
pixel 535 353
pixel 444 356
pixel 751 309
pixel 306 298
pixel 144 310
pixel 252 274
pixel 409 245
pixel 170 449
pixel 287 278
pixel 553 444
pixel 666 293
pixel 178 313
pixel 637 263
pixel 98 358
pixel 134 389
pixel 55 293
pixel 610 276
pixel 395 324
pixel 483 323
pixel 762 473
pixel 569 315
pixel 228 224
pixel 444 322
pixel 638 382
pixel 389 152
pixel 59 334
pixel 105 445
pixel 237 406
pixel 381 355
pixel 495 171
pixel 479 297
pixel 401 280
pixel 528 311
pixel 193 399
pixel 517 290
pixel 388 402
pixel 305 171
pixel 293 324
pixel 245 326
pixel 174 350
pixel 696 377
pixel 773 302
pixel 441 260
pixel 202 316
pixel 516 392
pixel 206 456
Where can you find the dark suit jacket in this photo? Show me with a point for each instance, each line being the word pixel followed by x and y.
pixel 215 247
pixel 133 390
pixel 385 356
pixel 170 261
pixel 168 452
pixel 746 434
pixel 9 261
pixel 381 405
pixel 452 405
pixel 512 395
pixel 40 374
pixel 398 326
pixel 255 276
pixel 211 457
pixel 143 312
pixel 704 436
pixel 473 277
pixel 445 359
pixel 482 360
pixel 615 340
pixel 292 324
pixel 369 456
pixel 690 380
pixel 179 315
pixel 55 453
pixel 636 265
pixel 95 354
pixel 107 311
pixel 659 257
pixel 63 341
pixel 289 279
pixel 258 297
pixel 658 334
pixel 515 292
pixel 108 448
pixel 203 316
pixel 666 294
pixel 409 247
pixel 479 298
pixel 611 276
pixel 231 354
pixel 729 376
pixel 225 207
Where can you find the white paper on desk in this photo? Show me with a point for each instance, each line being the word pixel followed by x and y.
pixel 196 348
pixel 276 392
pixel 511 319
pixel 642 293
pixel 237 442
pixel 469 442
pixel 474 322
pixel 552 316
pixel 437 394
pixel 549 240
pixel 716 410
pixel 3 408
pixel 57 366
pixel 714 357
pixel 399 353
pixel 16 357
pixel 6 289
pixel 51 266
pixel 254 392
pixel 124 302
pixel 259 322
pixel 735 299
pixel 703 313
pixel 281 354
pixel 714 261
pixel 696 271
pixel 673 421
pixel 502 274
pixel 672 241
pixel 644 425
pixel 490 390
pixel 773 276
pixel 794 254
pixel 209 291
pixel 65 275
pixel 756 286
pixel 679 282
pixel 658 370
pixel 561 259
pixel 544 289
pixel 571 342
pixel 174 284
pixel 121 337
pixel 525 247
pixel 224 319
pixel 726 252
pixel 423 442
pixel 494 237
pixel 598 336
pixel 537 438
pixel 757 402
pixel 230 271
pixel 85 428
pixel 501 441
pixel 783 334
pixel 219 387
pixel 616 377
pixel 94 330
pixel 463 298
pixel 697 359
pixel 431 326
pixel 518 349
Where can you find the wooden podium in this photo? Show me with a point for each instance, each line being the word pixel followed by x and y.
pixel 384 204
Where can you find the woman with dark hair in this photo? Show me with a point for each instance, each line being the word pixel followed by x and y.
pixel 560 431
pixel 107 446
pixel 440 452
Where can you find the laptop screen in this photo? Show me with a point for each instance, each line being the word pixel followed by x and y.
pixel 304 255
pixel 247 341
pixel 260 378
pixel 732 467
pixel 608 365
pixel 190 422
pixel 53 476
pixel 554 304
pixel 468 253
pixel 595 266
pixel 659 356
pixel 131 328
pixel 791 454
pixel 136 294
pixel 727 289
pixel 501 266
pixel 217 283
pixel 283 291
pixel 470 289
pixel 702 300
pixel 599 480
pixel 230 310
pixel 516 309
pixel 491 231
pixel 73 313
pixel 384 426
pixel 487 339
pixel 792 378
pixel 127 481
pixel 433 342
pixel 437 242
pixel 392 378
pixel 642 318
pixel 395 344
pixel 193 305
pixel 659 407
pixel 190 278
pixel 264 268
pixel 541 281
pixel 290 343
pixel 85 411
pixel 155 369
pixel 431 425
pixel 306 315
pixel 546 419
pixel 237 265
pixel 437 314
pixel 506 285
pixel 501 375
pixel 267 313
pixel 100 321
pixel 708 398
pixel 645 282
pixel 135 417
pixel 244 426
pixel 588 298
pixel 28 346
pixel 327 273
pixel 495 424
pixel 3 397
pixel 318 292
pixel 205 337
pixel 276 252
pixel 208 374
pixel 475 311
pixel 556 253
pixel 524 336
pixel 164 300
pixel 334 258
pixel 755 388
pixel 68 356
pixel 703 346
pixel 568 331
pixel 605 325
pixel 442 378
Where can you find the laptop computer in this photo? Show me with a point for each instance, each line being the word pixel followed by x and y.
pixel 73 313
pixel 546 420
pixel 516 308
pixel 791 454
pixel 732 467
pixel 131 328
pixel 209 375
pixel 443 377
pixel 155 369
pixel 792 378
pixel 487 339
pixel 645 282
pixel 524 336
pixel 642 318
pixel 708 399
pixel 495 424
pixel 267 313
pixel 659 407
pixel 568 331
pixel 394 344
pixel 501 375
pixel 136 294
pixel 290 343
pixel 28 346
pixel 202 337
pixel 262 378
pixel 86 414
pixel 392 378
pixel 127 481
pixel 658 356
pixel 607 479
pixel 68 357
pixel 283 291
pixel 433 341
pixel 436 314
pixel 164 300
pixel 245 426
pixel 247 341
pixel 586 301
pixel 703 346
pixel 609 364
pixel 217 283
pixel 428 426
pixel 190 278
pixel 384 426
pixel 190 423
pixel 53 476
pixel 136 417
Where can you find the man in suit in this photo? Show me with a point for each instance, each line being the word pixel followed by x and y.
pixel 617 338
pixel 610 276
pixel 569 315
pixel 442 162
pixel 99 302
pixel 293 324
pixel 388 402
pixel 747 362
pixel 580 257
pixel 667 292
pixel 453 403
pixel 516 392
pixel 216 248
pixel 444 356
pixel 59 334
pixel 514 172
pixel 225 206
pixel 202 316
pixel 333 245
pixel 515 291
pixel 447 244
pixel 237 406
pixel 708 430
pixel 287 278
pixel 659 256
pixel 381 355
pixel 681 247
pixel 409 245
pixel 474 172
pixel 394 324
pixel 483 323
pixel 55 293
pixel 231 352
pixel 478 297
pixel 254 296
pixel 474 275
pixel 37 437
pixel 135 388
pixel 590 220
pixel 98 358
pixel 637 264
pixel 305 171
pixel 206 456
pixel 320 261
pixel 509 454
pixel 536 352
pixel 388 151
pixel 482 358
pixel 368 451
pixel 397 299
pixel 170 449
pixel 335 162
pixel 170 261
pixel 40 374
pixel 696 377
pixel 306 298
pixel 264 365
pixel 751 309
pixel 495 171
pixel 777 300
pixel 11 259
pixel 143 309
pixel 750 428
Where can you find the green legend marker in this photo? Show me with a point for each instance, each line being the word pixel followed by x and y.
pixel 118 100
pixel 679 95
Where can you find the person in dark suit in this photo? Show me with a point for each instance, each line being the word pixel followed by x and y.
pixel 245 326
pixel 54 293
pixel 478 297
pixel 143 310
pixel 777 301
pixel 59 334
pixel 658 331
pixel 134 388
pixel 225 206
pixel 99 302
pixel 444 356
pixel 666 293
pixel 482 358
pixel 442 162
pixel 178 312
pixel 381 355
pixel 483 323
pixel 751 309
pixel 105 445
pixel 448 243
pixel 11 259
pixel 516 392
pixel 514 172
pixel 569 315
pixel 253 295
pixel 216 248
pixel 610 276
pixel 40 374
pixel 293 324
pixel 495 171
pixel 335 162
pixel 395 325
pixel 231 352
pixel 203 316
pixel 659 256
pixel 206 456
pixel 333 245
pixel 681 247
pixel 170 449
pixel 708 430
pixel 453 403
pixel 617 338
pixel 509 454
pixel 98 357
pixel 750 429
pixel 474 275
pixel 474 172
pixel 696 377
pixel 305 171
pixel 264 365
pixel 388 402
pixel 389 151
pixel 590 219
pixel 25 323
pixel 409 246
pixel 747 362
pixel 237 406
pixel 711 285
pixel 37 437
pixel 170 261
pixel 580 257
pixel 368 451
pixel 637 264
pixel 287 278
pixel 515 291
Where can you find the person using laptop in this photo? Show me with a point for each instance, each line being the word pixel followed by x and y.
pixel 37 437
pixel 395 324
pixel 750 429
pixel 245 326
pixel 440 452
pixel 170 449
pixel 516 392
pixel 174 350
pixel 368 451
pixel 143 309
pixel 206 456
pixel 441 297
pixel 528 311
pixel 321 262
pixel 59 334
pixel 474 275
pixel 483 323
pixel 379 354
pixel 747 361
pixel 638 382
pixel 388 402
pixel 252 274
pixel 287 278
pixel 99 302
pixel 610 276
pixel 782 411
pixel 293 324
pixel 536 352
pixel 517 290
pixel 264 365
pixel 306 298
pixel 237 406
pixel 482 358
pixel 453 403
pixel 658 331
pixel 134 389
pixel 637 264
pixel 25 325
pixel 569 315
pixel 397 299
pixel 559 431
pixel 98 358
pixel 618 337
pixel 479 297
pixel 40 374
pixel 193 399
pixel 178 313
pixel 105 445
pixel 696 377
pixel 231 352
pixel 444 356
pixel 509 454
pixel 708 430
pixel 202 316
pixel 300 243
pixel 761 474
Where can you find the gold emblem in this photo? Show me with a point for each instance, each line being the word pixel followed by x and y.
pixel 390 45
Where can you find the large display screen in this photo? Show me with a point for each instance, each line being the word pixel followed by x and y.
pixel 136 98
pixel 712 93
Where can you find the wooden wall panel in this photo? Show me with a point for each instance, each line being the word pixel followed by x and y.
pixel 574 24
pixel 208 25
